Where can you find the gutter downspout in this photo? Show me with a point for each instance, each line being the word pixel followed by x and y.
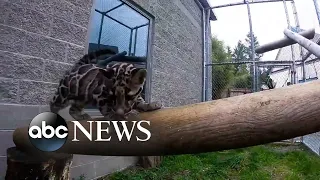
pixel 207 54
pixel 204 78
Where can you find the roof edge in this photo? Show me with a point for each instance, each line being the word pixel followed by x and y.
pixel 205 4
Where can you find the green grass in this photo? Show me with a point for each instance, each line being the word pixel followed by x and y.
pixel 267 162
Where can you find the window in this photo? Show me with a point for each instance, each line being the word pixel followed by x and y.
pixel 117 25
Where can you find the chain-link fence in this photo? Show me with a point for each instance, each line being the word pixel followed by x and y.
pixel 237 78
pixel 231 79
pixel 312 69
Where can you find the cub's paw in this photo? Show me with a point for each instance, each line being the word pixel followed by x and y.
pixel 85 116
pixel 79 117
pixel 132 115
pixel 154 106
pixel 133 112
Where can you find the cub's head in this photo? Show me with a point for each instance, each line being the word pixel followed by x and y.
pixel 128 85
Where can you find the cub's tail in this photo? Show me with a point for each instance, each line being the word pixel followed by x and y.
pixel 91 58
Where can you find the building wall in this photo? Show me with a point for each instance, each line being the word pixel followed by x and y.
pixel 177 51
pixel 41 39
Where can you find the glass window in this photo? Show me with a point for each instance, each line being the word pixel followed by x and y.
pixel 118 26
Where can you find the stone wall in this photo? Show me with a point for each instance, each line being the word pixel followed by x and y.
pixel 39 41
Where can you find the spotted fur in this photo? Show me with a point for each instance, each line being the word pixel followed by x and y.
pixel 84 84
pixel 114 90
pixel 128 83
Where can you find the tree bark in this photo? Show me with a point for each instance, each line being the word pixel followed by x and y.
pixel 229 123
pixel 150 161
pixel 21 165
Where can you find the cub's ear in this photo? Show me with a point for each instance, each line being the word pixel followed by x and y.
pixel 138 76
pixel 108 72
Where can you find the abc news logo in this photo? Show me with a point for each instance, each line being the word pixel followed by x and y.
pixel 49 131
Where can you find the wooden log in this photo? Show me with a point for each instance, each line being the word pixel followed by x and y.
pixel 21 165
pixel 235 122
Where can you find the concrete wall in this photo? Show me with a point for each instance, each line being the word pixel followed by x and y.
pixel 40 39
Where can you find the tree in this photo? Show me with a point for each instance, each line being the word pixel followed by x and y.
pixel 239 52
pixel 242 78
pixel 238 55
pixel 248 47
pixel 222 75
pixel 229 51
pixel 258 57
pixel 243 81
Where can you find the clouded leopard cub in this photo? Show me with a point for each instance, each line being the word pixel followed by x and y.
pixel 115 90
pixel 128 83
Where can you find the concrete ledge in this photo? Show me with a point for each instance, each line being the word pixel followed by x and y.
pixel 16 115
pixel 81 160
pixel 102 167
pixel 3 166
pixel 6 142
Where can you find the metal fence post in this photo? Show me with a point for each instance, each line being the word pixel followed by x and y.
pixel 204 90
pixel 293 71
pixel 295 13
pixel 315 2
pixel 252 49
pixel 207 53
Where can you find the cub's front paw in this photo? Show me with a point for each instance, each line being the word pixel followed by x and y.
pixel 134 112
pixel 80 117
pixel 154 106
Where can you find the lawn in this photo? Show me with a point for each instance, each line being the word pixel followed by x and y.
pixel 276 162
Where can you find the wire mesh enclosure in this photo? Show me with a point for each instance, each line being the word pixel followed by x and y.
pixel 294 64
pixel 230 79
pixel 236 78
pixel 118 26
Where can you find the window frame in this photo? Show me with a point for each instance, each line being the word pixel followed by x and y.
pixel 151 18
